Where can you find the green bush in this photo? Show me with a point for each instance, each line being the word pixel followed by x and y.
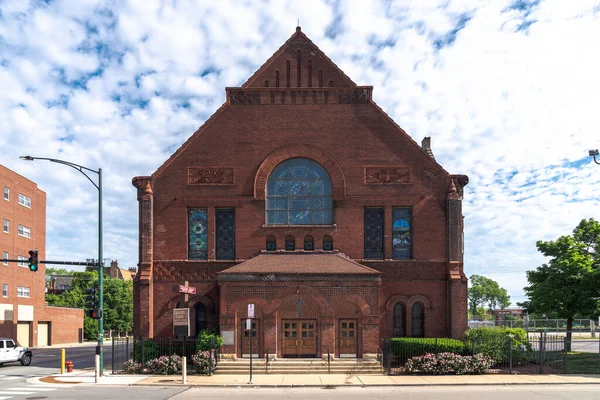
pixel 496 342
pixel 448 363
pixel 206 338
pixel 405 348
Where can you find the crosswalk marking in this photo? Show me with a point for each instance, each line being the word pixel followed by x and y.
pixel 3 392
pixel 30 388
pixel 50 385
pixel 4 398
pixel 6 378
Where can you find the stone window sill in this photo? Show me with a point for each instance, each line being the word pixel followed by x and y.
pixel 299 226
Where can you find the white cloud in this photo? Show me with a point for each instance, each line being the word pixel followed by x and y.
pixel 516 110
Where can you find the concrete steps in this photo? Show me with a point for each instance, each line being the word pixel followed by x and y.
pixel 298 366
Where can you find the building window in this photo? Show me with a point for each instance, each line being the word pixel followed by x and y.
pixel 401 237
pixel 271 243
pixel 417 321
pixel 299 193
pixel 309 243
pixel 197 234
pixel 24 200
pixel 6 225
pixel 200 318
pixel 24 231
pixel 24 262
pixel 328 243
pixel 5 256
pixel 290 243
pixel 225 233
pixel 6 193
pixel 399 318
pixel 374 233
pixel 22 291
pixel 4 290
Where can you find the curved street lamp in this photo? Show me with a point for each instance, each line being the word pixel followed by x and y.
pixel 594 153
pixel 98 186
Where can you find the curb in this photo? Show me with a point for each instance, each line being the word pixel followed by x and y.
pixel 334 386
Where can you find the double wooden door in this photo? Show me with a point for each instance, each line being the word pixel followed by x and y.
pixel 348 338
pixel 299 337
pixel 250 335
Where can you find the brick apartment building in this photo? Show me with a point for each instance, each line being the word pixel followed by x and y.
pixel 23 313
pixel 302 197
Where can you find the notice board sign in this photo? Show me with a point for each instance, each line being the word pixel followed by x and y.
pixel 181 322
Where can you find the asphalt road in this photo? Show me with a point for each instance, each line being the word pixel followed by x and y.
pixel 82 356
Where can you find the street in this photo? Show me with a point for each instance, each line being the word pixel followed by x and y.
pixel 81 355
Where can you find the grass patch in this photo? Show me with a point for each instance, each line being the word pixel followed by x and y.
pixel 583 363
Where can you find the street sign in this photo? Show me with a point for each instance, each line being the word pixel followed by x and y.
pixel 248 324
pixel 187 289
pixel 250 310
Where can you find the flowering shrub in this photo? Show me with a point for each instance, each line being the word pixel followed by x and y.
pixel 164 365
pixel 132 367
pixel 202 362
pixel 448 363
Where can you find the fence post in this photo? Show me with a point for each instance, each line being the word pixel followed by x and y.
pixel 127 348
pixel 328 361
pixel 143 350
pixel 436 346
pixel 565 354
pixel 113 356
pixel 542 347
pixel 387 355
pixel 510 353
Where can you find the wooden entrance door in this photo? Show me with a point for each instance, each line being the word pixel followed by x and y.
pixel 248 335
pixel 348 338
pixel 299 338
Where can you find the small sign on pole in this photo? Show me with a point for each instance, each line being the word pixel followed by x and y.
pixel 250 310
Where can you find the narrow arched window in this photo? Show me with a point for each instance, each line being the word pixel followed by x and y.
pixel 399 320
pixel 200 317
pixel 277 78
pixel 327 243
pixel 299 192
pixel 271 243
pixel 417 321
pixel 290 243
pixel 309 243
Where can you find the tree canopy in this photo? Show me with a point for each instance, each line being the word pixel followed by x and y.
pixel 486 291
pixel 567 284
pixel 118 302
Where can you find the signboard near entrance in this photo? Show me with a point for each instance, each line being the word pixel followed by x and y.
pixel 181 322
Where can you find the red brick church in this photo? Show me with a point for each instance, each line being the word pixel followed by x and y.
pixel 303 197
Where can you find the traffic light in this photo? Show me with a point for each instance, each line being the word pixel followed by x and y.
pixel 90 298
pixel 33 260
pixel 95 314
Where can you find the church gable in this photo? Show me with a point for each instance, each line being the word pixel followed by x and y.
pixel 299 63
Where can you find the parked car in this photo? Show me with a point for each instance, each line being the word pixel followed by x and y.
pixel 10 351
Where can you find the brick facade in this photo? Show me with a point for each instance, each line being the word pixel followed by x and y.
pixel 321 115
pixel 31 313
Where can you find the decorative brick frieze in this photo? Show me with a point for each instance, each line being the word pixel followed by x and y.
pixel 211 176
pixel 388 175
pixel 299 96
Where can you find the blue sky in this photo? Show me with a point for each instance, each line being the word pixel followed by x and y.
pixel 508 91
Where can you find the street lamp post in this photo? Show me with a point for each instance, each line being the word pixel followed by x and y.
pixel 594 153
pixel 98 186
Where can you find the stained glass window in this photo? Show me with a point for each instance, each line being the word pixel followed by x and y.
pixel 197 234
pixel 401 237
pixel 374 233
pixel 417 321
pixel 399 317
pixel 327 243
pixel 271 243
pixel 225 235
pixel 299 193
pixel 309 243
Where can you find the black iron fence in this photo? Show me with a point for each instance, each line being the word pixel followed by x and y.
pixel 142 350
pixel 540 354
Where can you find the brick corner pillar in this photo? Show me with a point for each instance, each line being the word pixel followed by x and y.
pixel 143 292
pixel 370 325
pixel 457 281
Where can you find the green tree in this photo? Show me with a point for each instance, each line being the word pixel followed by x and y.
pixel 118 302
pixel 568 284
pixel 57 271
pixel 486 291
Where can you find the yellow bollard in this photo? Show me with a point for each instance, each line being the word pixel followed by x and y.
pixel 62 361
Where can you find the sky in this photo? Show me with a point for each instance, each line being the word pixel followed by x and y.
pixel 507 90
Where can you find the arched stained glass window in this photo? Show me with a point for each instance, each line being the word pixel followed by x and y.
pixel 271 243
pixel 401 237
pixel 327 243
pixel 309 243
pixel 197 234
pixel 290 243
pixel 417 321
pixel 299 193
pixel 399 318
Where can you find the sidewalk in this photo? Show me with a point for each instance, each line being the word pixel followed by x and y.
pixel 66 345
pixel 81 376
